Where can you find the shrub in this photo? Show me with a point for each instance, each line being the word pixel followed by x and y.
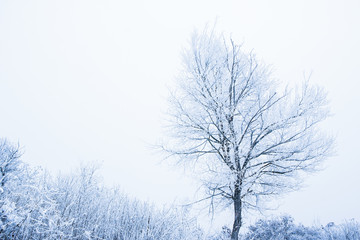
pixel 282 228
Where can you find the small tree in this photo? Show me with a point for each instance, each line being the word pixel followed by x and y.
pixel 9 162
pixel 247 138
pixel 10 170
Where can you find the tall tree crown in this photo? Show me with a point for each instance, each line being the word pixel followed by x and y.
pixel 233 121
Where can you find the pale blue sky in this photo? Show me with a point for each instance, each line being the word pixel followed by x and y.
pixel 87 80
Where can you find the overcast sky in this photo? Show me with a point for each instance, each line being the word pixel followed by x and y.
pixel 84 81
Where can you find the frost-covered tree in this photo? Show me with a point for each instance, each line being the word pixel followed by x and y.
pixel 27 208
pixel 246 137
pixel 9 162
pixel 10 172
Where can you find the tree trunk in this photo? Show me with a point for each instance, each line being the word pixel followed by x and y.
pixel 237 214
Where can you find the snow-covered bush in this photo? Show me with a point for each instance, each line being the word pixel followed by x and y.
pixel 282 228
pixel 350 230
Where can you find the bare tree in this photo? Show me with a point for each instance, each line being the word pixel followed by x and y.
pixel 9 161
pixel 246 138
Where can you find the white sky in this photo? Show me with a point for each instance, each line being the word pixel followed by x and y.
pixel 86 80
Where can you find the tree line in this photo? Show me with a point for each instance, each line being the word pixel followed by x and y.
pixel 36 205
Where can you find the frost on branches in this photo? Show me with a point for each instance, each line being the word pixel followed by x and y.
pixel 246 137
